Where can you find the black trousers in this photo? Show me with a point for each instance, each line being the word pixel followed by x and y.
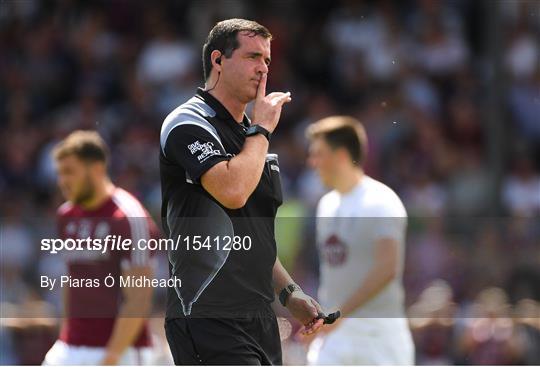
pixel 224 341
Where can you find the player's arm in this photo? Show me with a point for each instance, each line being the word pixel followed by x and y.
pixel 132 315
pixel 229 180
pixel 304 308
pixel 232 182
pixel 383 271
pixel 281 276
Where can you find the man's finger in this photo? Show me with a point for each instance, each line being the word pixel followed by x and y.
pixel 319 324
pixel 278 101
pixel 261 89
pixel 317 306
pixel 312 308
pixel 273 95
pixel 312 327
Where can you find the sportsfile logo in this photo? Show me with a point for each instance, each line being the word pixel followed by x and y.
pixel 207 150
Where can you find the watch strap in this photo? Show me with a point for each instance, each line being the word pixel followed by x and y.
pixel 258 129
pixel 287 291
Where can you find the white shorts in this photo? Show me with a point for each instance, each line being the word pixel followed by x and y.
pixel 65 354
pixel 364 342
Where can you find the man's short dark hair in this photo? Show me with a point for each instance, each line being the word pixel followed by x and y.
pixel 223 37
pixel 88 146
pixel 342 132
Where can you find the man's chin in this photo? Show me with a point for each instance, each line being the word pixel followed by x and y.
pixel 81 199
pixel 249 98
pixel 326 183
pixel 68 197
pixel 251 94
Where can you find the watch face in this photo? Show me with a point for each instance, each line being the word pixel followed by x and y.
pixel 292 287
pixel 256 129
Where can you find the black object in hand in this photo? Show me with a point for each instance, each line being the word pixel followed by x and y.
pixel 330 318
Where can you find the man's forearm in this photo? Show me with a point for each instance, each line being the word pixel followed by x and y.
pixel 383 270
pixel 281 277
pixel 245 169
pixel 125 330
pixel 376 280
pixel 232 182
pixel 131 316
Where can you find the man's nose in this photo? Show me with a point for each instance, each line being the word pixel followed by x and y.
pixel 262 68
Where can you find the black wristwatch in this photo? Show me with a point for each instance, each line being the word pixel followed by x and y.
pixel 286 292
pixel 258 129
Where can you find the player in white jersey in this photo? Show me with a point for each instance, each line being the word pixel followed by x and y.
pixel 361 228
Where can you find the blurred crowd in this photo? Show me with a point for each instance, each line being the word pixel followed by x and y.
pixel 449 93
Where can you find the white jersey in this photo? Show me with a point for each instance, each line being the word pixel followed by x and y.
pixel 62 354
pixel 348 226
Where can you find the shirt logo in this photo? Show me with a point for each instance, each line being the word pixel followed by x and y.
pixel 334 251
pixel 207 150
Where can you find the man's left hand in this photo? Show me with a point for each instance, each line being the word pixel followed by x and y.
pixel 305 309
pixel 306 339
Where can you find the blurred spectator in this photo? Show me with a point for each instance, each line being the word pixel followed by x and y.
pixel 440 53
pixel 490 335
pixel 527 316
pixel 432 324
pixel 522 55
pixel 524 103
pixel 424 197
pixel 469 187
pixel 521 189
pixel 165 57
pixel 432 256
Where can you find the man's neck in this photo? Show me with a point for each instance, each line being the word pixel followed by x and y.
pixel 231 103
pixel 348 180
pixel 103 192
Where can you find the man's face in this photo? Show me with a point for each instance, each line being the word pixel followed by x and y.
pixel 242 72
pixel 324 160
pixel 75 179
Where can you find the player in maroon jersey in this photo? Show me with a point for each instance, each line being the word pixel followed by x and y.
pixel 102 325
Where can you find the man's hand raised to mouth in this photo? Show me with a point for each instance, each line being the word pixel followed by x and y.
pixel 267 108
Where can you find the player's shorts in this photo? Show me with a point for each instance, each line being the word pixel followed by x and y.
pixel 62 354
pixel 364 342
pixel 253 340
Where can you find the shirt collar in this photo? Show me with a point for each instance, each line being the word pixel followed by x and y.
pixel 221 111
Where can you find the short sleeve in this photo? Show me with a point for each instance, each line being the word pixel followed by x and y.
pixel 194 148
pixel 391 219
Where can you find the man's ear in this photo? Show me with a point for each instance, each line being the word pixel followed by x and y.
pixel 216 59
pixel 98 169
pixel 344 156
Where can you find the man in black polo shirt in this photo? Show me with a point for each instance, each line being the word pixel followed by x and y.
pixel 221 191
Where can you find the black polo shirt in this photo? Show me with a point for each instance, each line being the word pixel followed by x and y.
pixel 220 276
